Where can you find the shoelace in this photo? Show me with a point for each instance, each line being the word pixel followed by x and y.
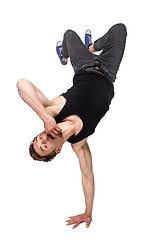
pixel 89 38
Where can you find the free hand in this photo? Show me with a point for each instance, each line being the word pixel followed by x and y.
pixel 76 220
pixel 51 126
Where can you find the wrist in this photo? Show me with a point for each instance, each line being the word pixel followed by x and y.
pixel 88 213
pixel 45 117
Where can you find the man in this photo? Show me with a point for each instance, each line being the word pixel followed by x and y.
pixel 74 115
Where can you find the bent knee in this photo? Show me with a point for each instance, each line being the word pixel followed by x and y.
pixel 121 27
pixel 69 32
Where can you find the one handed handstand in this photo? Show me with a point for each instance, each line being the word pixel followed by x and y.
pixel 74 115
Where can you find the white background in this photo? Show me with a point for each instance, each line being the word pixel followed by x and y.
pixel 36 197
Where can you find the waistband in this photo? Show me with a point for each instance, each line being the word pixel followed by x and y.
pixel 98 70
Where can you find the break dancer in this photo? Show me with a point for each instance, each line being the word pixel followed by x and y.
pixel 74 115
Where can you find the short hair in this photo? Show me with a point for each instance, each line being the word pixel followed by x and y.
pixel 35 156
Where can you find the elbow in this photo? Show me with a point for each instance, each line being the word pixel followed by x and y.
pixel 88 178
pixel 20 83
pixel 88 175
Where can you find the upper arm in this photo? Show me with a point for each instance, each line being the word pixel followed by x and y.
pixel 84 155
pixel 79 145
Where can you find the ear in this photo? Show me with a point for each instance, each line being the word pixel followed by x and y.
pixel 58 150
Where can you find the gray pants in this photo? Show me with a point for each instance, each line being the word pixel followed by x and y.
pixel 112 45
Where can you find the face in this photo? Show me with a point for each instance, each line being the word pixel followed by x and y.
pixel 44 144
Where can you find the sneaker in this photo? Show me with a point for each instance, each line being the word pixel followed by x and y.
pixel 59 51
pixel 88 38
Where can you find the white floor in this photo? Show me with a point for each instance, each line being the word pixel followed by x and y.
pixel 36 197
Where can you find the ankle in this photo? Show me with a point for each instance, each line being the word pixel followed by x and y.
pixel 65 60
pixel 91 48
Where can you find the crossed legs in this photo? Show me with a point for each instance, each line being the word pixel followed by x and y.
pixel 91 49
pixel 112 45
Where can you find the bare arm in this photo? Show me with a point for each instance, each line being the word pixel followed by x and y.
pixel 85 159
pixel 31 95
pixel 38 102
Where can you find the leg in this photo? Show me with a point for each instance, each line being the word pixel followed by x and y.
pixel 74 48
pixel 113 45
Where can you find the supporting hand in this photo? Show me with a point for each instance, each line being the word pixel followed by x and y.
pixel 76 220
pixel 51 126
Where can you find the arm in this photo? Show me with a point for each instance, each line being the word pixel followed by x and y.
pixel 85 159
pixel 33 97
pixel 38 102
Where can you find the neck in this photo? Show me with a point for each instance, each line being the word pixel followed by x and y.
pixel 68 129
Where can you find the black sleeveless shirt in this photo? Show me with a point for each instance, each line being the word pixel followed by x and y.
pixel 89 98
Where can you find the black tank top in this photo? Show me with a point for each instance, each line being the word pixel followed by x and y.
pixel 89 98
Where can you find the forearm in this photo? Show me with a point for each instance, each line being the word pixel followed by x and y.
pixel 28 93
pixel 85 160
pixel 88 188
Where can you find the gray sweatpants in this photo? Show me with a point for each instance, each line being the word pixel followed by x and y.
pixel 112 45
